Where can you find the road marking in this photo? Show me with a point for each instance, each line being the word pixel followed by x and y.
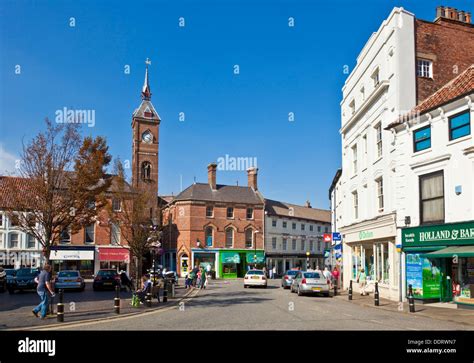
pixel 347 314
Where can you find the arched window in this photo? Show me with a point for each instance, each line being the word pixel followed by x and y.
pixel 208 233
pixel 229 237
pixel 146 170
pixel 249 238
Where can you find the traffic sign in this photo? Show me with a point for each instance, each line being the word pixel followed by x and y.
pixel 327 237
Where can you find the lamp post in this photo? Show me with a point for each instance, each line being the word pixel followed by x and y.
pixel 307 260
pixel 255 249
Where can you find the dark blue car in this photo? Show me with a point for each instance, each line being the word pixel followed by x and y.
pixel 23 279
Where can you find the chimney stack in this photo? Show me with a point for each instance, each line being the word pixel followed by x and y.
pixel 447 12
pixel 252 178
pixel 211 175
pixel 308 204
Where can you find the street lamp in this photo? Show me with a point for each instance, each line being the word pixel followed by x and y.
pixel 255 248
pixel 307 260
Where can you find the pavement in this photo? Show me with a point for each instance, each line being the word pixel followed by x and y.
pixel 226 305
pixel 441 311
pixel 15 310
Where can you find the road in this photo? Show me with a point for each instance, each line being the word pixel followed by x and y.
pixel 226 305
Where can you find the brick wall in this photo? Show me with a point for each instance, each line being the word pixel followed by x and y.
pixel 449 45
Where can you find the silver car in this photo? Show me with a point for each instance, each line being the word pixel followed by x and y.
pixel 310 282
pixel 287 278
pixel 69 279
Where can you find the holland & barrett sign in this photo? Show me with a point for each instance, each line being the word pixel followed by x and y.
pixel 443 234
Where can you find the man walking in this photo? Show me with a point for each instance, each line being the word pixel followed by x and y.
pixel 44 286
pixel 274 271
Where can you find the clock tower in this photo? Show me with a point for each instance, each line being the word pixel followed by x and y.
pixel 145 126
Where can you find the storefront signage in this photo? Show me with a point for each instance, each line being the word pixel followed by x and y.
pixel 71 255
pixel 327 237
pixel 251 257
pixel 424 275
pixel 366 234
pixel 230 257
pixel 114 254
pixel 445 234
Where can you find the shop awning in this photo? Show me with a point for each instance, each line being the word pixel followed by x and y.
pixel 230 257
pixel 114 254
pixel 251 257
pixel 459 251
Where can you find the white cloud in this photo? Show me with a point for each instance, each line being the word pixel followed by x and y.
pixel 8 162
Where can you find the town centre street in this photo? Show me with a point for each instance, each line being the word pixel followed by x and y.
pixel 226 305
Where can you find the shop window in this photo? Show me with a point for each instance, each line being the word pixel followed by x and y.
pixel 460 125
pixel 432 198
pixel 422 139
pixel 30 241
pixel 230 212
pixel 208 236
pixel 89 234
pixel 115 234
pixel 249 213
pixel 248 238
pixel 229 237
pixel 209 211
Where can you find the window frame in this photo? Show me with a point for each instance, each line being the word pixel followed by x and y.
pixel 251 213
pixel 93 234
pixel 274 243
pixel 284 244
pixel 251 238
pixel 211 208
pixel 354 159
pixel 422 68
pixel 293 244
pixel 380 198
pixel 113 232
pixel 227 212
pixel 232 237
pixel 378 139
pixel 415 142
pixel 27 244
pixel 355 204
pixel 114 201
pixel 208 228
pixel 17 240
pixel 420 200
pixel 450 129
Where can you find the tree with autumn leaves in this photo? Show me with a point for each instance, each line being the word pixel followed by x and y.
pixel 66 183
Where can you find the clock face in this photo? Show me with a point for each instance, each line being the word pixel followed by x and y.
pixel 147 137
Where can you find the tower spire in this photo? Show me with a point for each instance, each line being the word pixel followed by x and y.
pixel 146 92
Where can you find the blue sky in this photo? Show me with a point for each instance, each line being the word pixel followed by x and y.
pixel 282 69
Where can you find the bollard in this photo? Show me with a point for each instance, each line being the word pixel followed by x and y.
pixel 350 290
pixel 60 313
pixel 411 300
pixel 117 300
pixel 165 291
pixel 148 299
pixel 376 294
pixel 335 288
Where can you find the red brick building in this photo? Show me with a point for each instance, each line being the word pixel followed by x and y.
pixel 444 49
pixel 220 225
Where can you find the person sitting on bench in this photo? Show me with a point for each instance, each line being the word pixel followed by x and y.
pixel 146 288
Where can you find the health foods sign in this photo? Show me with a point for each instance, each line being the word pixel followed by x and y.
pixel 439 235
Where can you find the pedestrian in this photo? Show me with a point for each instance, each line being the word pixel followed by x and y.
pixel 362 280
pixel 199 278
pixel 208 271
pixel 274 271
pixel 327 274
pixel 43 288
pixel 146 288
pixel 203 279
pixel 335 275
pixel 265 271
pixel 270 273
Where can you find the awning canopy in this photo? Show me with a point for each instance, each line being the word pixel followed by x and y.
pixel 459 251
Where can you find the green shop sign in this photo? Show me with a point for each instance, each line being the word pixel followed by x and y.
pixel 437 235
pixel 230 257
pixel 366 234
pixel 251 257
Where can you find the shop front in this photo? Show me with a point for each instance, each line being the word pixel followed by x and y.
pixel 80 258
pixel 117 258
pixel 235 263
pixel 371 247
pixel 204 259
pixel 440 262
pixel 283 263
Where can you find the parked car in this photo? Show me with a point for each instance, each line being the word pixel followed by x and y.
pixel 69 279
pixel 23 279
pixel 255 278
pixel 106 279
pixel 10 275
pixel 310 282
pixel 287 278
pixel 3 280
